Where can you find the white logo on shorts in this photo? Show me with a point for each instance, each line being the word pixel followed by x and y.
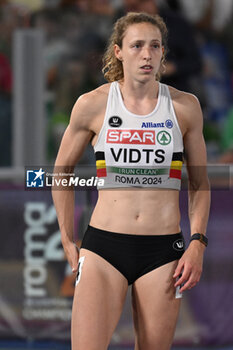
pixel 178 244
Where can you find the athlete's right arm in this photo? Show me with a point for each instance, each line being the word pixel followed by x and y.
pixel 76 137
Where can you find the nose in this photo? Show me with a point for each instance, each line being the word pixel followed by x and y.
pixel 146 54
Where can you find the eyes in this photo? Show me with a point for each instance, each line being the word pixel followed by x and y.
pixel 140 45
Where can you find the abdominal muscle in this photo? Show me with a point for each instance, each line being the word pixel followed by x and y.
pixel 138 211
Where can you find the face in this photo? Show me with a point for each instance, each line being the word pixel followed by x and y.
pixel 141 51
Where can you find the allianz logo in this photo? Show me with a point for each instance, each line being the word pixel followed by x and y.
pixel 168 124
pixel 152 125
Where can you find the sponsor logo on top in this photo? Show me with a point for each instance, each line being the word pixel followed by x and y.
pixel 146 125
pixel 115 121
pixel 136 137
pixel 168 123
pixel 164 138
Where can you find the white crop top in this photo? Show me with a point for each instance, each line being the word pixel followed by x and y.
pixel 139 150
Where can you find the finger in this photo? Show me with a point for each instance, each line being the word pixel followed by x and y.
pixel 183 278
pixel 74 264
pixel 178 269
pixel 194 277
pixel 180 281
pixel 192 285
pixel 189 284
pixel 74 268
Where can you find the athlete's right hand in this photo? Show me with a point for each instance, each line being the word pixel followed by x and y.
pixel 72 255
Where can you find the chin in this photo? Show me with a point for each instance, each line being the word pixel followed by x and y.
pixel 146 78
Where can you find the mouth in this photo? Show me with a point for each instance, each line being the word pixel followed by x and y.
pixel 147 68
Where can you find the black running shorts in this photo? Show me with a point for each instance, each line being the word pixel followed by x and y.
pixel 134 255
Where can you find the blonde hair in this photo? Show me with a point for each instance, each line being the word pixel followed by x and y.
pixel 112 67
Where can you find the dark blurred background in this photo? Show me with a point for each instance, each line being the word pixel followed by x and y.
pixel 50 54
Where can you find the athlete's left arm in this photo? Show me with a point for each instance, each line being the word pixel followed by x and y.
pixel 190 265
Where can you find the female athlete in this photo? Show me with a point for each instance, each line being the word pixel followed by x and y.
pixel 139 129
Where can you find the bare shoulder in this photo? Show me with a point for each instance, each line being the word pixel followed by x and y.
pixel 187 108
pixel 89 106
pixel 184 99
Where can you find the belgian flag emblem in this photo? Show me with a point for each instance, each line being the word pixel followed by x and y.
pixel 176 165
pixel 100 164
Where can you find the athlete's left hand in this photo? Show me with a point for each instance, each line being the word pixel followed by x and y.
pixel 189 267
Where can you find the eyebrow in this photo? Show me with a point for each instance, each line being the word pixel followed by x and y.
pixel 143 41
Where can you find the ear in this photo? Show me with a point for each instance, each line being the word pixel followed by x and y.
pixel 118 53
pixel 163 50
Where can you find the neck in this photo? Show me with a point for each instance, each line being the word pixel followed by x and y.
pixel 139 90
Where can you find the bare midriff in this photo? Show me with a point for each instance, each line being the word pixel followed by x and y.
pixel 137 211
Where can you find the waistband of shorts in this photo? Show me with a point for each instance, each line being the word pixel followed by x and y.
pixel 136 238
